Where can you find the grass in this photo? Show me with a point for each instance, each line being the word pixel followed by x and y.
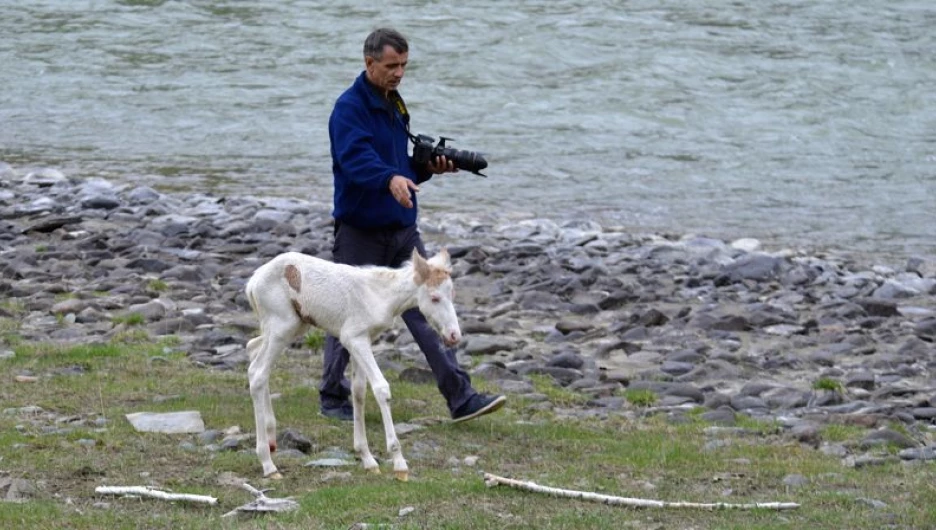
pixel 828 384
pixel 314 340
pixel 157 285
pixel 131 319
pixel 641 397
pixel 646 457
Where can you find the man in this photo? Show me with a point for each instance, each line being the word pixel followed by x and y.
pixel 375 214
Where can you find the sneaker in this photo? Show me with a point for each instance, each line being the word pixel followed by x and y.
pixel 343 412
pixel 478 405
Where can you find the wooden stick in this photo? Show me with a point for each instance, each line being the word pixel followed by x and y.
pixel 494 480
pixel 145 491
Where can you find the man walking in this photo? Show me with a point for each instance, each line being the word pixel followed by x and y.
pixel 375 211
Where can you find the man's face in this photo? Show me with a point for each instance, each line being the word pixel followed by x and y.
pixel 386 73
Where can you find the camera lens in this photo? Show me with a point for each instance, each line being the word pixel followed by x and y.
pixel 468 160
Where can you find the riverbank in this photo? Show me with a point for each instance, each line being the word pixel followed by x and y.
pixel 692 322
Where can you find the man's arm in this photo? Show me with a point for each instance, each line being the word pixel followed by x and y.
pixel 352 141
pixel 401 186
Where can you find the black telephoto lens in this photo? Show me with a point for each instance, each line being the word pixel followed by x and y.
pixel 467 160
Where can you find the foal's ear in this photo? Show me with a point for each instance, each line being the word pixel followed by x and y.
pixel 420 268
pixel 446 259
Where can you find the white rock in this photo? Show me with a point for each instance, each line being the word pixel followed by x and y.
pixel 189 421
pixel 746 244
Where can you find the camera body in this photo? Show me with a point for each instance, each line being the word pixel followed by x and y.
pixel 424 151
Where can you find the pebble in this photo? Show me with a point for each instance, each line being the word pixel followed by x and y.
pixel 598 310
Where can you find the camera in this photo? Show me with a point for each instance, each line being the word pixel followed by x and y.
pixel 424 151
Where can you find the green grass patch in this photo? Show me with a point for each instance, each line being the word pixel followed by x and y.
pixel 131 319
pixel 157 285
pixel 80 439
pixel 315 340
pixel 829 384
pixel 640 397
pixel 842 433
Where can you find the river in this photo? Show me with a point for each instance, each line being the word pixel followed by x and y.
pixel 804 123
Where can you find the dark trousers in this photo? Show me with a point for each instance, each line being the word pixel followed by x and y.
pixel 390 248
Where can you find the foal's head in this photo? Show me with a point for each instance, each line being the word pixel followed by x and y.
pixel 436 294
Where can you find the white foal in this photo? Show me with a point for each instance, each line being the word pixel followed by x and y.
pixel 294 291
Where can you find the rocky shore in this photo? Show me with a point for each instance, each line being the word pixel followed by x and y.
pixel 691 322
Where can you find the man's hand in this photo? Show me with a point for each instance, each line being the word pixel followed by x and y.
pixel 400 187
pixel 441 165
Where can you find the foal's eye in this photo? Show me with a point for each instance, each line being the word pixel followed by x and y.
pixel 435 299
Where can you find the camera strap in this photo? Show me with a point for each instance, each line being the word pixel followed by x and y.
pixel 396 100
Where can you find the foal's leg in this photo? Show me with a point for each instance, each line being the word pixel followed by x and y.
pixel 272 341
pixel 358 397
pixel 364 358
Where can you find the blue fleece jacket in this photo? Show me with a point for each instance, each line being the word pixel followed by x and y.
pixel 369 145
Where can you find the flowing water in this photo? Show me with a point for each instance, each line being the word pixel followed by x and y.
pixel 807 123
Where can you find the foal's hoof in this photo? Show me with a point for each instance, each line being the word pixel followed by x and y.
pixel 274 476
pixel 402 476
pixel 374 470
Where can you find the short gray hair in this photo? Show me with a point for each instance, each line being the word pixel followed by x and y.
pixel 375 43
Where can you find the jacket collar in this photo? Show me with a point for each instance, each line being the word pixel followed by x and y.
pixel 373 95
pixel 376 100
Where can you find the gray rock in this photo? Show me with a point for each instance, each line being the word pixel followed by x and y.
pixel 892 290
pixel 402 429
pixel 416 375
pixel 742 403
pixel 786 398
pixel 807 433
pixel 924 413
pixel 872 503
pixel 926 330
pixel 566 360
pixel 151 311
pixel 918 453
pixel 829 449
pixel 142 195
pixel 516 387
pixel 488 344
pixel 44 177
pixel 210 436
pixel 721 416
pixel 291 439
pixel 863 380
pixel 17 489
pixel 676 368
pixel 886 437
pixel 753 266
pixel 231 443
pixel 879 307
pixel 795 481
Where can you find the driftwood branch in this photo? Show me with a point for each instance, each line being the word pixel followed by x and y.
pixel 145 491
pixel 494 480
pixel 262 503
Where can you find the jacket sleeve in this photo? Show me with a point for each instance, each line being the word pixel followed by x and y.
pixel 353 143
